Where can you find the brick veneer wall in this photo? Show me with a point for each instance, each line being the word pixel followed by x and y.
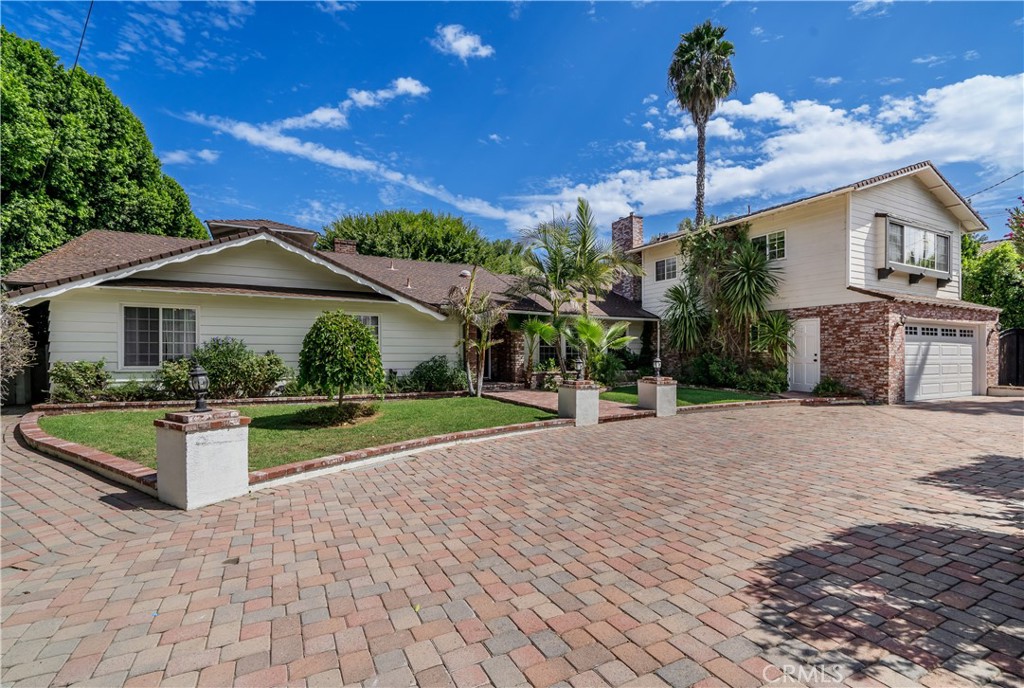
pixel 863 344
pixel 627 233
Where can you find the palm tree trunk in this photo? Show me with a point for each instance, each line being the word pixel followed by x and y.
pixel 481 355
pixel 465 358
pixel 701 159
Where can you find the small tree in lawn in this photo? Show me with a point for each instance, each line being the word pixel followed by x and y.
pixel 339 353
pixel 15 343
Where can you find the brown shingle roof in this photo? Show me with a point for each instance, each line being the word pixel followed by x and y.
pixel 94 251
pixel 428 283
pixel 987 246
pixel 256 224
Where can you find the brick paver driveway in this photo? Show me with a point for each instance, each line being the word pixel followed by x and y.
pixel 714 548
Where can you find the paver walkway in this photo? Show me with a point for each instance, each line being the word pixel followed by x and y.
pixel 548 401
pixel 715 549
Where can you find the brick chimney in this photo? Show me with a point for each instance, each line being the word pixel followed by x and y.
pixel 628 233
pixel 345 246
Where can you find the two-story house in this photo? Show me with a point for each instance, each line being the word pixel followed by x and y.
pixel 871 281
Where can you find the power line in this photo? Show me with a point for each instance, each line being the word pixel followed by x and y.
pixel 67 98
pixel 996 184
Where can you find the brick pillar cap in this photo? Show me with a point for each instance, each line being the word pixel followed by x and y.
pixel 214 419
pixel 662 380
pixel 580 384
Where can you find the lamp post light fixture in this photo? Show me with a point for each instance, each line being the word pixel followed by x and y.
pixel 657 366
pixel 579 367
pixel 199 383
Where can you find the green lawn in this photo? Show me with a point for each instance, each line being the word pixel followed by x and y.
pixel 686 396
pixel 275 438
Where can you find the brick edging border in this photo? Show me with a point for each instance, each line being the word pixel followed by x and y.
pixel 120 470
pixel 144 478
pixel 85 407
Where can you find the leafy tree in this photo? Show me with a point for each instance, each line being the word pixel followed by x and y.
pixel 595 340
pixel 700 76
pixel 340 353
pixel 73 158
pixel 16 351
pixel 550 272
pixel 1016 225
pixel 424 236
pixel 996 278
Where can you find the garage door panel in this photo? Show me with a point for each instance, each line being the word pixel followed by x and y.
pixel 939 361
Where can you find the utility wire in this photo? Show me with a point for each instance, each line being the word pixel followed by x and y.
pixel 67 99
pixel 996 184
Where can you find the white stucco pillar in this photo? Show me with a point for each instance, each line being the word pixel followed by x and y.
pixel 579 399
pixel 658 393
pixel 201 458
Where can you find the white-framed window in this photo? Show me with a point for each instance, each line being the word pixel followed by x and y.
pixel 372 322
pixel 773 244
pixel 917 247
pixel 154 334
pixel 665 269
pixel 546 352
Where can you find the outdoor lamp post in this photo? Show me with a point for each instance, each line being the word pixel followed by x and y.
pixel 579 367
pixel 199 383
pixel 657 366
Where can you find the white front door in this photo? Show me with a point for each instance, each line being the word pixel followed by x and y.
pixel 939 361
pixel 804 368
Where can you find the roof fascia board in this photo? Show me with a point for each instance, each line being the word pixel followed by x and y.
pixel 212 292
pixel 595 317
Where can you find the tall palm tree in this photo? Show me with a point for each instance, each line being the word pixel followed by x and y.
pixel 700 77
pixel 479 315
pixel 549 271
pixel 597 265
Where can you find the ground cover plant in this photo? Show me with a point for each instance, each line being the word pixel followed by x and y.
pixel 685 396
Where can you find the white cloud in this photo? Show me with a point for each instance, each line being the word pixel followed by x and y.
pixel 890 80
pixel 717 128
pixel 650 98
pixel 828 80
pixel 790 148
pixel 331 117
pixel 932 60
pixel 189 157
pixel 453 39
pixel 648 126
pixel 495 138
pixel 971 55
pixel 335 6
pixel 315 213
pixel 870 8
pixel 652 112
pixel 756 31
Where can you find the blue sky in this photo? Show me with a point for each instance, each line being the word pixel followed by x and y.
pixel 505 112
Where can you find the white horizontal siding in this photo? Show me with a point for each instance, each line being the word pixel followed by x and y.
pixel 908 199
pixel 814 269
pixel 85 325
pixel 256 263
pixel 653 291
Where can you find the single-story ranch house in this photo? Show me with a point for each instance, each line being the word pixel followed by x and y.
pixel 136 300
pixel 871 278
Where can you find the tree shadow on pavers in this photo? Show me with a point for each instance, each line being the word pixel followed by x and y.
pixel 133 500
pixel 895 597
pixel 992 477
pixel 1006 406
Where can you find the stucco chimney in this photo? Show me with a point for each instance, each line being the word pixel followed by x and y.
pixel 628 233
pixel 345 246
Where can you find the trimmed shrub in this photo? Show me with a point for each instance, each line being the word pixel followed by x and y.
pixel 78 381
pixel 235 371
pixel 608 368
pixel 831 387
pixel 339 354
pixel 435 374
pixel 16 352
pixel 335 414
pixel 770 381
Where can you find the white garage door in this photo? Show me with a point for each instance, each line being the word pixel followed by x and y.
pixel 940 361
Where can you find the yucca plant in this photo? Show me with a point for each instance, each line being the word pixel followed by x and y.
pixel 686 318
